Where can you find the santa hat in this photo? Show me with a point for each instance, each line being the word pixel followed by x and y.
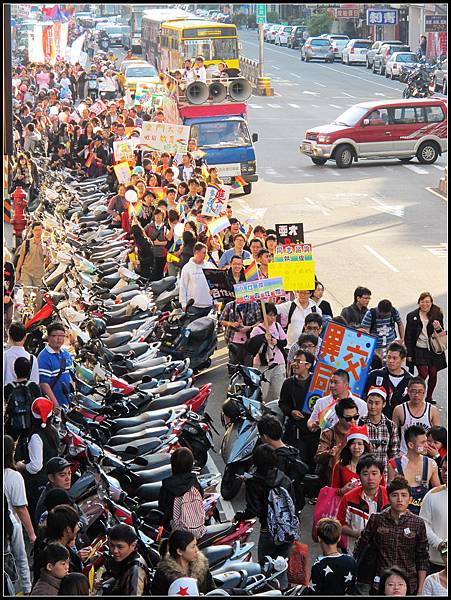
pixel 42 408
pixel 184 586
pixel 358 433
pixel 377 391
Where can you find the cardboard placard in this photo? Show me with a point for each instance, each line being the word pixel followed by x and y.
pixel 123 173
pixel 290 233
pixel 296 275
pixel 164 137
pixel 216 198
pixel 263 290
pixel 123 150
pixel 293 253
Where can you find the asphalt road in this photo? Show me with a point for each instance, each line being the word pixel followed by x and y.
pixel 375 224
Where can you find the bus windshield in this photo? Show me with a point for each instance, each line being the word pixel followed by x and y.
pixel 212 49
pixel 221 135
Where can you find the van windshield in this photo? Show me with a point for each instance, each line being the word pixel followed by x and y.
pixel 220 135
pixel 351 116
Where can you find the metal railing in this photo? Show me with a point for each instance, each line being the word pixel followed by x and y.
pixel 249 69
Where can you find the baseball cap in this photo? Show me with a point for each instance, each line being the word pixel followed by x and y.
pixel 56 465
pixel 377 391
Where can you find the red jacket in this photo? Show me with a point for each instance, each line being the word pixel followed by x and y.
pixel 354 510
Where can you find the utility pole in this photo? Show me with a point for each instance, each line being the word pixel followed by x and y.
pixel 260 50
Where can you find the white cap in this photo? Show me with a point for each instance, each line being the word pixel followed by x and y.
pixel 184 586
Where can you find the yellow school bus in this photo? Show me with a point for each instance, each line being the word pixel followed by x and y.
pixel 188 38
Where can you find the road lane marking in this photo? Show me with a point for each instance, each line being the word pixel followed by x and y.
pixel 294 105
pixel 320 84
pixel 436 193
pixel 274 67
pixel 383 260
pixel 311 93
pixel 295 75
pixel 378 94
pixel 439 167
pixel 440 250
pixel 315 105
pixel 309 200
pixel 255 106
pixel 334 106
pixel 362 79
pixel 416 169
pixel 348 95
pixel 274 105
pixel 323 210
pixel 227 507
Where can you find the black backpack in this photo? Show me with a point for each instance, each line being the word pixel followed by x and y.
pixel 293 307
pixel 19 406
pixel 374 316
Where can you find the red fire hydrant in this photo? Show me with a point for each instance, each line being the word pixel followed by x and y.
pixel 19 221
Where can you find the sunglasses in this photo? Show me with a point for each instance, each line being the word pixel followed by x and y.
pixel 352 418
pixel 301 362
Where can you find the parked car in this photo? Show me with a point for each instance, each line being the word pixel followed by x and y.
pixel 282 35
pixel 383 54
pixel 382 129
pixel 440 78
pixel 397 61
pixel 296 38
pixel 140 72
pixel 375 49
pixel 355 51
pixel 266 28
pixel 338 42
pixel 317 48
pixel 272 32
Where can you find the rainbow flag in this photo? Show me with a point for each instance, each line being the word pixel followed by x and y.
pixel 218 225
pixel 134 209
pixel 251 271
pixel 326 416
pixel 240 180
pixel 236 186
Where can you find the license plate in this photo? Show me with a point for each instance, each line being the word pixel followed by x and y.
pixel 306 147
pixel 228 170
pixel 227 180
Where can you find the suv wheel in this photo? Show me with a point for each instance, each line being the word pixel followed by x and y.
pixel 374 67
pixel 368 66
pixel 427 153
pixel 344 156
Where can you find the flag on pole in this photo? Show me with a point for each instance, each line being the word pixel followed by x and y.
pixel 326 415
pixel 218 225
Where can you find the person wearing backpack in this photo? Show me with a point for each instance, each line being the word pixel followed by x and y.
pixel 17 334
pixel 269 497
pixel 19 396
pixel 288 458
pixel 295 313
pixel 382 322
pixel 181 496
pixel 33 258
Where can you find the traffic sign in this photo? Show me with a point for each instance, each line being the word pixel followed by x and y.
pixel 261 13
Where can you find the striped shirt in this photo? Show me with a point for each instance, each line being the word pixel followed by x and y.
pixel 50 363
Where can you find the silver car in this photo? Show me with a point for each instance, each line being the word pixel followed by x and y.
pixel 338 43
pixel 317 48
pixel 375 49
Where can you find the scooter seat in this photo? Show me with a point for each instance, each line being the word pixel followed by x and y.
pixel 149 492
pixel 154 475
pixel 162 285
pixel 135 448
pixel 137 348
pixel 149 372
pixel 217 554
pixel 129 325
pixel 142 463
pixel 116 339
pixel 228 580
pixel 136 429
pixel 175 399
pixel 129 287
pixel 124 317
pixel 109 281
pixel 165 389
pixel 130 438
pixel 146 507
pixel 146 418
pixel 251 568
pixel 127 296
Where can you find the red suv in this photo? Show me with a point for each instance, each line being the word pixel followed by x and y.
pixel 382 129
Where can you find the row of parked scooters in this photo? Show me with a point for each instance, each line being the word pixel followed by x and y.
pixel 136 358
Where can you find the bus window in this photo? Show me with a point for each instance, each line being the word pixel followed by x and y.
pixel 228 133
pixel 213 49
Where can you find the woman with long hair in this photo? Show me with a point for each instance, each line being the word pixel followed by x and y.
pixel 344 474
pixel 421 324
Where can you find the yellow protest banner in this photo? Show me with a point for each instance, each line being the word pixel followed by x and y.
pixel 295 275
pixel 122 171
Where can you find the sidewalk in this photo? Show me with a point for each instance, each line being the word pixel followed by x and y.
pixel 8 235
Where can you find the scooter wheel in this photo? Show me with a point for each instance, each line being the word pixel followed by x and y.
pixel 230 484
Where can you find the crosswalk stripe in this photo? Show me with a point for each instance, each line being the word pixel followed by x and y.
pixel 416 169
pixel 295 75
pixel 294 105
pixel 334 105
pixel 274 105
pixel 255 106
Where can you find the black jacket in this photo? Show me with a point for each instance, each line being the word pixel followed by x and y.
pixel 413 331
pixel 395 395
pixel 354 315
pixel 257 491
pixel 173 487
pixel 132 577
pixel 168 570
pixel 145 249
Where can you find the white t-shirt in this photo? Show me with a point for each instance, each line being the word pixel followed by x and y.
pixel 14 488
pixel 324 402
pixel 9 358
pixel 433 587
pixel 297 319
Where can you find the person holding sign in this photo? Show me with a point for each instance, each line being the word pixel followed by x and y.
pixel 238 321
pixel 296 312
pixel 267 344
pixel 194 285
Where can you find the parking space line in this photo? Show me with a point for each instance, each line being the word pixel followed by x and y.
pixel 348 95
pixel 416 169
pixel 317 83
pixel 295 75
pixel 274 105
pixel 334 105
pixel 274 67
pixel 383 260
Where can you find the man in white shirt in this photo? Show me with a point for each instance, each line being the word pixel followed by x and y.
pixel 17 334
pixel 200 70
pixel 194 285
pixel 433 510
pixel 296 312
pixel 339 389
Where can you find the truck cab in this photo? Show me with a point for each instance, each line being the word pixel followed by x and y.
pixel 222 133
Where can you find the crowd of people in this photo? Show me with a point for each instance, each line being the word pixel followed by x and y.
pixel 384 455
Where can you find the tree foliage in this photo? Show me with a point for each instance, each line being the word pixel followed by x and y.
pixel 320 23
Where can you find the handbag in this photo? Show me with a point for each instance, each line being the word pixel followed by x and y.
pixel 439 342
pixel 298 564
